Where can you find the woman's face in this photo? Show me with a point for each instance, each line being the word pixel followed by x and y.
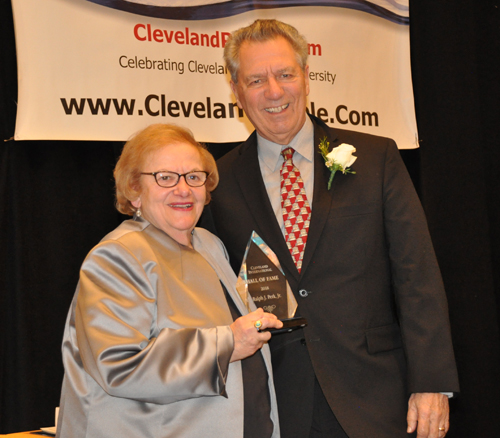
pixel 175 210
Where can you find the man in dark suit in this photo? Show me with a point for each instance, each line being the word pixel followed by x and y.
pixel 376 355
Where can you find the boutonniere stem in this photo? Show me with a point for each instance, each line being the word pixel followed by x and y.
pixel 339 158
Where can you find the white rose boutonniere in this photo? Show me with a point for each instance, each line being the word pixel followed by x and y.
pixel 340 158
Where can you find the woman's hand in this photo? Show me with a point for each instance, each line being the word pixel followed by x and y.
pixel 247 339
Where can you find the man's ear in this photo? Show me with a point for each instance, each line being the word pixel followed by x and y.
pixel 234 88
pixel 306 72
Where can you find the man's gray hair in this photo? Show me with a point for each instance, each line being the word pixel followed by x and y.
pixel 262 31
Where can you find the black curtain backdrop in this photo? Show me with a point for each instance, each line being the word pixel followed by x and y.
pixel 56 203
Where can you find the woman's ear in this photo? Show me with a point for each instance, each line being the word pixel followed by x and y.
pixel 137 202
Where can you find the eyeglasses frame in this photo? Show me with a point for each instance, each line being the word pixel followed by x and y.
pixel 178 177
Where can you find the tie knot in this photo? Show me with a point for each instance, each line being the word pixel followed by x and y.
pixel 287 153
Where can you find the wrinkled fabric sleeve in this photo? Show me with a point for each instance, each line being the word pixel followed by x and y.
pixel 115 321
pixel 419 292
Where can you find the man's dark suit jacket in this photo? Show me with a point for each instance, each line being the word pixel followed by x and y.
pixel 370 287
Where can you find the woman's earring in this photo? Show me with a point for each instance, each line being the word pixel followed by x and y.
pixel 138 212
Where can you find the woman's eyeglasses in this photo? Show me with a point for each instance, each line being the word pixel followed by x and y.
pixel 168 179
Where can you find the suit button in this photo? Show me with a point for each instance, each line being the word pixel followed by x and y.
pixel 303 293
pixel 303 341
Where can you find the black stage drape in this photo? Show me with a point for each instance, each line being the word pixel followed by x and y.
pixel 56 202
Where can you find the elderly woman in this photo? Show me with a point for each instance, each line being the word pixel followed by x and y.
pixel 155 344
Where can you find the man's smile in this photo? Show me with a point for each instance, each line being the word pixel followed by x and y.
pixel 277 109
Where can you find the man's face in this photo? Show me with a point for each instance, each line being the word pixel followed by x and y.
pixel 272 89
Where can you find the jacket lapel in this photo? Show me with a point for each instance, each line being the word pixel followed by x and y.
pixel 222 268
pixel 322 198
pixel 247 174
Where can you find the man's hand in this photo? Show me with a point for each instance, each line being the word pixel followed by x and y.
pixel 430 412
pixel 247 339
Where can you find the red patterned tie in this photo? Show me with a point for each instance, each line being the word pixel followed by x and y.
pixel 295 208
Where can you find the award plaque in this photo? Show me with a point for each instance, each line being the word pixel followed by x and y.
pixel 262 281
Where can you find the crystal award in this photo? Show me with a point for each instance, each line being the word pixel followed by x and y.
pixel 262 281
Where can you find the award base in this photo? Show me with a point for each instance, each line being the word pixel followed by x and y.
pixel 289 325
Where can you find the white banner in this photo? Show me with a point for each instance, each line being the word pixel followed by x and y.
pixel 104 69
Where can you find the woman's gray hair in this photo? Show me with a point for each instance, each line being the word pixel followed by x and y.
pixel 261 31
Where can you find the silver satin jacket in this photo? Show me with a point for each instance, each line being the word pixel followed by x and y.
pixel 147 341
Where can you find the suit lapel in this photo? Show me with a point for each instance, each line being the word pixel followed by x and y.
pixel 247 174
pixel 322 198
pixel 227 278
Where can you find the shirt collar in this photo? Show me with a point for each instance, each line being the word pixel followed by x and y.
pixel 269 152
